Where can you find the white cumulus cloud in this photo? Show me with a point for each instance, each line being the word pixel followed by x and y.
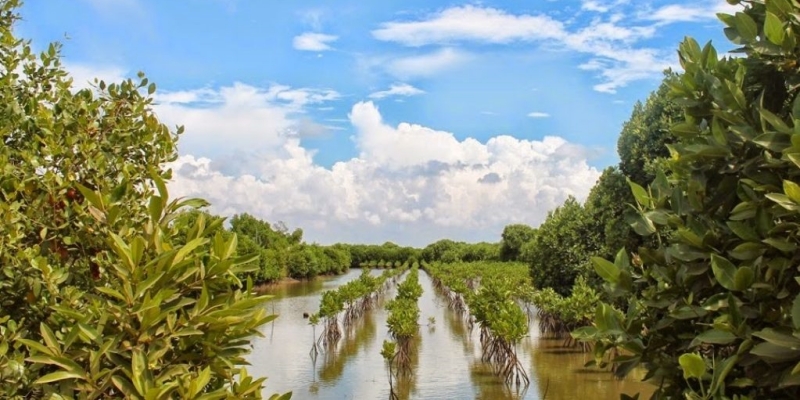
pixel 601 6
pixel 470 23
pixel 240 117
pixel 538 114
pixel 397 89
pixel 426 64
pixel 409 183
pixel 702 10
pixel 311 41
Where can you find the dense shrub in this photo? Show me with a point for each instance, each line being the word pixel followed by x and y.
pixel 714 310
pixel 104 293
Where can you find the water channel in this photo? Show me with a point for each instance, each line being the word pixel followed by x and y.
pixel 447 363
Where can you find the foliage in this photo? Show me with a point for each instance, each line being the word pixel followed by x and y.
pixel 361 255
pixel 284 254
pixel 607 207
pixel 642 144
pixel 105 291
pixel 558 252
pixel 353 298
pixel 514 237
pixel 558 315
pixel 403 319
pixel 449 251
pixel 718 312
pixel 493 305
pixel 263 233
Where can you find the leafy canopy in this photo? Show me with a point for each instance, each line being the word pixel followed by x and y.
pixel 104 291
pixel 713 310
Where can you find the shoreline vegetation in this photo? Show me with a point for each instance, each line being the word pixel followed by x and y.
pixel 682 260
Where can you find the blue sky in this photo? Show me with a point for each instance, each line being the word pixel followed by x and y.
pixel 372 121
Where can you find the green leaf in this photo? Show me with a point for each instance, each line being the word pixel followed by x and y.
pixel 147 284
pixel 65 363
pixel 796 108
pixel 685 130
pixel 747 251
pixel 160 185
pixel 780 244
pixel 111 292
pixel 188 248
pixel 773 29
pixel 775 121
pixel 773 141
pixel 783 201
pixel 724 272
pixel 58 376
pixel 714 336
pixel 37 346
pixel 792 190
pixel 794 157
pixel 693 365
pixel 778 338
pixel 49 338
pixel 721 372
pixel 606 269
pixel 744 278
pixel 639 193
pixel 774 353
pixel 746 26
pixel 606 318
pixel 88 332
pixel 156 208
pixel 123 384
pixel 94 198
pixel 796 313
pixel 743 231
pixel 285 396
pixel 640 224
pixel 138 368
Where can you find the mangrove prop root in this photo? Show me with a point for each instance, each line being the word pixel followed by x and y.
pixel 331 335
pixel 503 357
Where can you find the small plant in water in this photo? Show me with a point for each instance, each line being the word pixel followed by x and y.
pixel 388 351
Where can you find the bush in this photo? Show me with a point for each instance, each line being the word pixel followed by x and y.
pixel 104 293
pixel 714 311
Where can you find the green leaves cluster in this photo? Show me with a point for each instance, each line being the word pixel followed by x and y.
pixel 565 229
pixel 492 291
pixel 347 296
pixel 494 307
pixel 558 315
pixel 283 253
pixel 104 291
pixel 403 309
pixel 713 309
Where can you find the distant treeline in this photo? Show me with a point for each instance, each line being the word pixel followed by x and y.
pixel 283 253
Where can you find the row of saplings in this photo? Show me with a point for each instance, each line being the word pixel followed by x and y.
pixel 403 327
pixel 351 300
pixel 488 292
pixel 494 295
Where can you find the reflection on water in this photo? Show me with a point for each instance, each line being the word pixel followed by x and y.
pixel 357 336
pixel 446 361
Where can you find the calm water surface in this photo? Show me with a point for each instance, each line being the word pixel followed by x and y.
pixel 446 363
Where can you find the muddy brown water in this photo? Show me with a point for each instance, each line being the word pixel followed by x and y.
pixel 446 363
